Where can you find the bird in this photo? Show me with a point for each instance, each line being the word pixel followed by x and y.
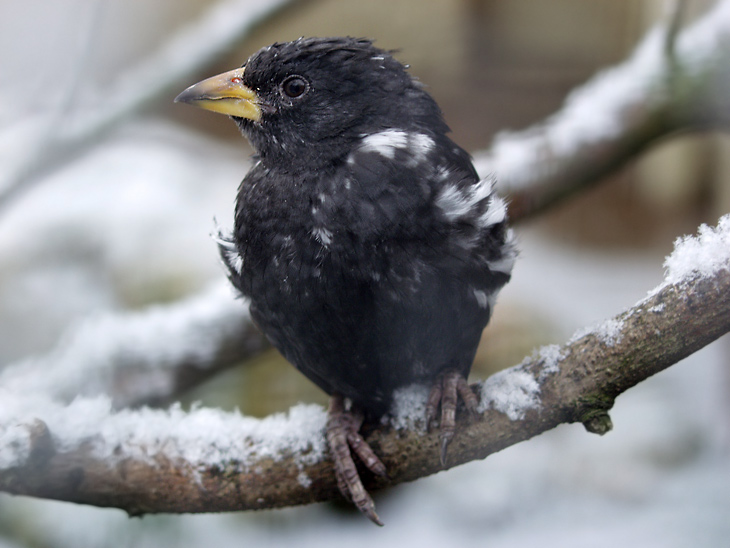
pixel 369 249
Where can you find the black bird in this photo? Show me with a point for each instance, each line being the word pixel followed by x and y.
pixel 369 248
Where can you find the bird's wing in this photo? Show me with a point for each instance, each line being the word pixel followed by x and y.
pixel 405 186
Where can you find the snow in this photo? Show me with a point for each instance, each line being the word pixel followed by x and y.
pixel 304 480
pixel 609 332
pixel 56 120
pixel 707 37
pixel 551 356
pixel 14 444
pixel 513 392
pixel 700 256
pixel 88 358
pixel 601 109
pixel 592 113
pixel 204 437
pixel 124 225
pixel 693 257
pixel 409 408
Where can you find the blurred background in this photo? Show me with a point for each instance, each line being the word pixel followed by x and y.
pixel 108 193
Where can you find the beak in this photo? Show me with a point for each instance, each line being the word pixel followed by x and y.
pixel 224 93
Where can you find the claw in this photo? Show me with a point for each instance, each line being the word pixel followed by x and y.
pixel 446 391
pixel 344 438
pixel 445 440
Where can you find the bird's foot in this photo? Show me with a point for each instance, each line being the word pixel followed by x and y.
pixel 446 391
pixel 344 438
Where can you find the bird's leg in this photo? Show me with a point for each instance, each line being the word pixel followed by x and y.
pixel 344 437
pixel 446 391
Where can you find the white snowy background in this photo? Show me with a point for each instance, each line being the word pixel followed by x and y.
pixel 126 223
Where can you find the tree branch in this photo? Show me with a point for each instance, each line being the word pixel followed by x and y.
pixel 168 461
pixel 145 357
pixel 674 81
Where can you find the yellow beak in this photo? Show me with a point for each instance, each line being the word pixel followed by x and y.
pixel 224 93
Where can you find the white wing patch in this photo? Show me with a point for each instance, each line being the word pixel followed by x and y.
pixel 495 213
pixel 387 142
pixel 420 145
pixel 453 202
pixel 474 201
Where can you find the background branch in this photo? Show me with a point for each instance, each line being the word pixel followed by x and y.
pixel 143 357
pixel 619 114
pixel 250 464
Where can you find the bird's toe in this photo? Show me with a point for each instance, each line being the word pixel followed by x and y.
pixel 446 392
pixel 344 438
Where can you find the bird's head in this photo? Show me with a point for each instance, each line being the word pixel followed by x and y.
pixel 304 103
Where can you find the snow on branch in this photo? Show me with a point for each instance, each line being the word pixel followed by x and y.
pixel 205 460
pixel 142 357
pixel 618 114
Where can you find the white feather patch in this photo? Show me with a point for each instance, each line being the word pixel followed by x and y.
pixel 235 260
pixel 481 297
pixel 495 213
pixel 419 145
pixel 322 235
pixel 457 202
pixel 504 264
pixel 387 142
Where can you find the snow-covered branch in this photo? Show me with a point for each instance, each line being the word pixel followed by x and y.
pixel 619 114
pixel 142 357
pixel 206 460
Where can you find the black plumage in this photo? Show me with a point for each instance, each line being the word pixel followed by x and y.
pixel 368 246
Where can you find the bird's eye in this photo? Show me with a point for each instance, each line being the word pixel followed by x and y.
pixel 294 87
